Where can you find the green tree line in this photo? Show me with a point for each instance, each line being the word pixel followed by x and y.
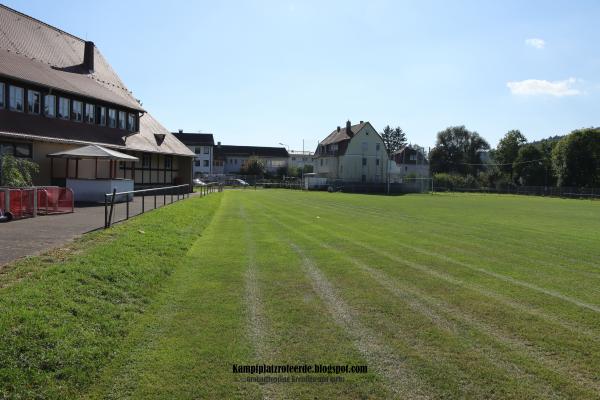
pixel 463 158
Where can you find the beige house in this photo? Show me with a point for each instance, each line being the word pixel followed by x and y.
pixel 355 153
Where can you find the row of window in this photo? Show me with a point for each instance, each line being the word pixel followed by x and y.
pixel 198 149
pixel 364 161
pixel 64 108
pixel 16 149
pixel 197 163
pixel 147 161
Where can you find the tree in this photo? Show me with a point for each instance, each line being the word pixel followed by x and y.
pixel 528 167
pixel 17 172
pixel 393 139
pixel 308 169
pixel 253 166
pixel 507 151
pixel 576 158
pixel 458 150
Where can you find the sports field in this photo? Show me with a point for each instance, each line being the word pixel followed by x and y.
pixel 440 296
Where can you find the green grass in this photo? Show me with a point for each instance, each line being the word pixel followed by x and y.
pixel 443 296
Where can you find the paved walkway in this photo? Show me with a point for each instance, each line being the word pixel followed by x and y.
pixel 31 236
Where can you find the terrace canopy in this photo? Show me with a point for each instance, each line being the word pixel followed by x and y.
pixel 93 152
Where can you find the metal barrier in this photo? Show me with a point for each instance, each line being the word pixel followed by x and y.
pixel 19 202
pixel 165 195
pixel 28 202
pixel 55 200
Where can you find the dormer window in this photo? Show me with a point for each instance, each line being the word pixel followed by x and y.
pixel 34 100
pixel 63 108
pixel 90 113
pixel 131 122
pixel 77 111
pixel 122 121
pixel 15 98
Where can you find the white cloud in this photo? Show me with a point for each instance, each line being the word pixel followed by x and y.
pixel 532 87
pixel 535 42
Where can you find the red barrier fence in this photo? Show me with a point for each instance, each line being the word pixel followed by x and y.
pixel 50 200
pixel 55 200
pixel 21 202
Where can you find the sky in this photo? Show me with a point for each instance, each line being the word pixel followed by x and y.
pixel 271 72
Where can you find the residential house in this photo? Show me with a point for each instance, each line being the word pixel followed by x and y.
pixel 231 159
pixel 355 153
pixel 409 161
pixel 58 93
pixel 202 145
pixel 301 159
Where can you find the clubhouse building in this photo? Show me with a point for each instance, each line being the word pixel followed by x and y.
pixel 64 107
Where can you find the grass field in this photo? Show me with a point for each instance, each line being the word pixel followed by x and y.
pixel 443 296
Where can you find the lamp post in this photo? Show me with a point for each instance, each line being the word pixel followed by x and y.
pixel 286 146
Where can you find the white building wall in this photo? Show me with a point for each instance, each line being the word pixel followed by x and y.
pixel 203 160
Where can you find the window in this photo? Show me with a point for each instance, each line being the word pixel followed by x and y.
pixel 206 163
pixel 364 161
pixel 63 108
pixel 377 162
pixel 364 179
pixel 168 162
pixel 145 157
pixel 413 157
pixel 77 111
pixel 90 113
pixel 365 146
pixel 122 121
pixel 7 149
pixel 15 98
pixel 1 95
pixel 377 147
pixel 293 158
pixel 34 100
pixel 16 149
pixel 50 105
pixel 102 116
pixel 131 122
pixel 206 150
pixel 197 150
pixel 197 163
pixel 23 150
pixel 321 162
pixel 112 118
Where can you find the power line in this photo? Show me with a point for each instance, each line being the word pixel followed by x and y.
pixel 499 164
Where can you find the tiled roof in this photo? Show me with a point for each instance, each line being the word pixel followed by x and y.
pixel 341 135
pixel 247 151
pixel 195 139
pixel 33 51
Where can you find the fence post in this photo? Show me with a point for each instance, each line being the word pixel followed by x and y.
pixel 127 201
pixel 105 211
pixel 35 202
pixel 155 199
pixel 112 205
pixel 143 203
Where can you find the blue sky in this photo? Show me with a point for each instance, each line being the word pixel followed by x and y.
pixel 265 72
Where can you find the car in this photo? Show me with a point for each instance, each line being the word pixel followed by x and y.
pixel 198 182
pixel 240 182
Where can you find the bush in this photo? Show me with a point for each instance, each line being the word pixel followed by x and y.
pixel 17 172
